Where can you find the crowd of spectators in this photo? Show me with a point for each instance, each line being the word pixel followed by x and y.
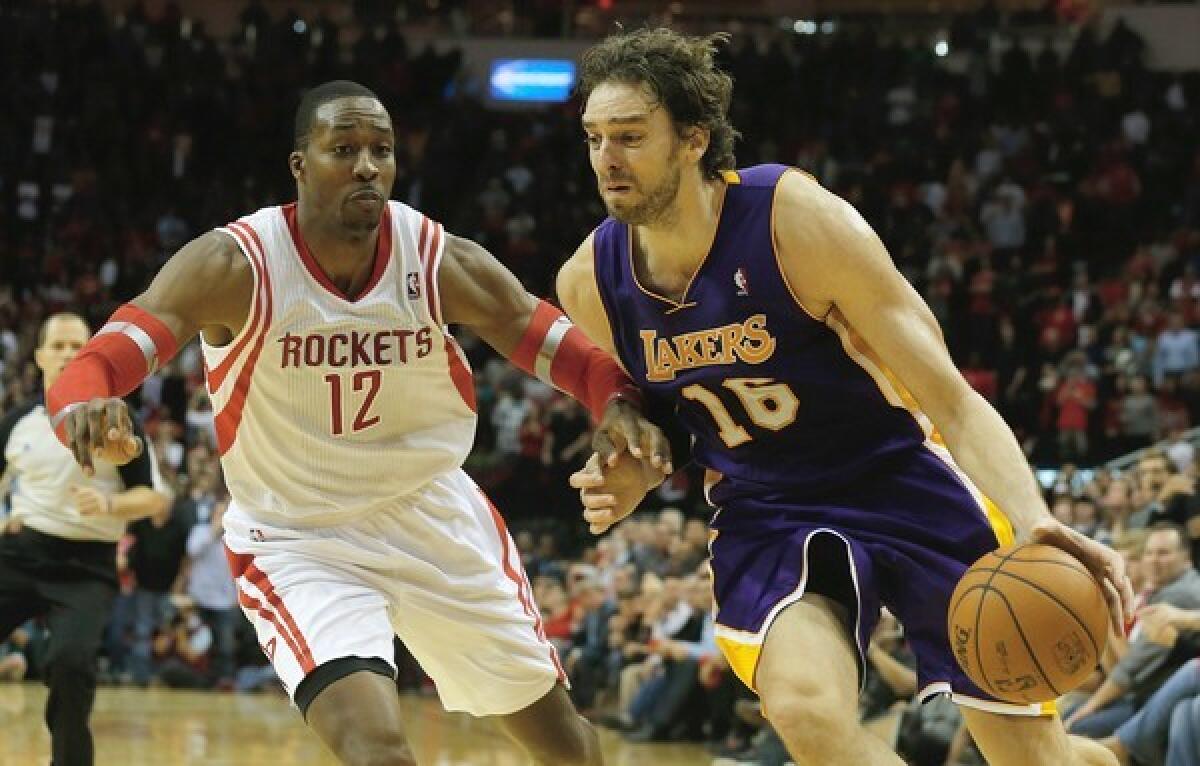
pixel 1046 206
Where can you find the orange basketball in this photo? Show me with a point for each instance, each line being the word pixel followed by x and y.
pixel 1028 623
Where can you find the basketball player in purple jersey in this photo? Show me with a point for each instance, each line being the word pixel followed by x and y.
pixel 765 314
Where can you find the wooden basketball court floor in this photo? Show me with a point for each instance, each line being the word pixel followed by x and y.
pixel 166 727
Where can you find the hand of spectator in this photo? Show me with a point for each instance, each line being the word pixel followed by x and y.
pixel 712 669
pixel 1105 564
pixel 218 518
pixel 1161 623
pixel 1176 484
pixel 610 493
pixel 101 428
pixel 90 501
pixel 634 648
pixel 1081 712
pixel 12 526
pixel 673 650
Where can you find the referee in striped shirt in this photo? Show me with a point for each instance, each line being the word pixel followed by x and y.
pixel 58 556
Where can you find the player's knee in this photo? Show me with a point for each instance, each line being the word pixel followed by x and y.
pixel 374 749
pixel 814 726
pixel 1086 752
pixel 574 746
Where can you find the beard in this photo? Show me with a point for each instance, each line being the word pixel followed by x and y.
pixel 655 204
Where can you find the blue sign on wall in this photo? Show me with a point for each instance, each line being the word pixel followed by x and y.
pixel 546 80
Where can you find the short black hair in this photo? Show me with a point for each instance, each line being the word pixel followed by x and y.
pixel 41 336
pixel 322 94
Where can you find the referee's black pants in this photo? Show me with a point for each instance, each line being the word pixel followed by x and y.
pixel 72 584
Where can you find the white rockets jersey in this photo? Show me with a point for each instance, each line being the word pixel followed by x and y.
pixel 328 407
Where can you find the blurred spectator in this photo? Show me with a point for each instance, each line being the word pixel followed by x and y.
pixel 586 662
pixel 212 590
pixel 156 560
pixel 1166 729
pixel 1139 416
pixel 182 647
pixel 1176 350
pixel 1168 564
pixel 1076 398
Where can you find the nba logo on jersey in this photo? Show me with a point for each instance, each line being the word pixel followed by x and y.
pixel 414 286
pixel 739 281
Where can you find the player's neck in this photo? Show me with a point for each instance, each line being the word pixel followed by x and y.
pixel 347 258
pixel 671 249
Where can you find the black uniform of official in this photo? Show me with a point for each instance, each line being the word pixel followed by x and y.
pixel 61 566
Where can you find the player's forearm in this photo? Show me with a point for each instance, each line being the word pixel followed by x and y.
pixel 114 362
pixel 987 451
pixel 139 503
pixel 559 354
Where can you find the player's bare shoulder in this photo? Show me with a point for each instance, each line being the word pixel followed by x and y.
pixel 577 278
pixel 824 244
pixel 207 284
pixel 579 295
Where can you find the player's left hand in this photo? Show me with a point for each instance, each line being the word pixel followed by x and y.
pixel 90 501
pixel 610 493
pixel 624 427
pixel 1105 564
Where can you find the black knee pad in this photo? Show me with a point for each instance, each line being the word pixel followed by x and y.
pixel 334 670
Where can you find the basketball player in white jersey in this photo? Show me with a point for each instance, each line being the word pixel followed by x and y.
pixel 344 410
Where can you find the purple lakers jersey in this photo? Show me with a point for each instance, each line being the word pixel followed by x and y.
pixel 775 399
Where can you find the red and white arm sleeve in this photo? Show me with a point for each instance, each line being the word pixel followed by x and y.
pixel 133 344
pixel 559 354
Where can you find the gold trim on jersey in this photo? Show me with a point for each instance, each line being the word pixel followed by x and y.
pixel 857 348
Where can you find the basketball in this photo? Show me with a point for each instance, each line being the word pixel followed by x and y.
pixel 1028 623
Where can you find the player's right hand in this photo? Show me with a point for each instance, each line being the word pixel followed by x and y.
pixel 1105 564
pixel 101 430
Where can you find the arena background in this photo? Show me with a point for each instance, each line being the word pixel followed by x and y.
pixel 1033 168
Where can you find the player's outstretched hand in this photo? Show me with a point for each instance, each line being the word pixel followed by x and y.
pixel 101 429
pixel 90 501
pixel 624 427
pixel 611 492
pixel 1105 564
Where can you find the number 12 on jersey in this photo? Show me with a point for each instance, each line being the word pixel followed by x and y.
pixel 363 379
pixel 769 403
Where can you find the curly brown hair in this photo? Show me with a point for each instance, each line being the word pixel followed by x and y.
pixel 680 73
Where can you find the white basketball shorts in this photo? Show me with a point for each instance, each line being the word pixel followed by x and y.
pixel 436 567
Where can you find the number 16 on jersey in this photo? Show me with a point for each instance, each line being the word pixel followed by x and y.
pixel 769 403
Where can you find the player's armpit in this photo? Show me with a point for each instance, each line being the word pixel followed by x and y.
pixel 207 284
pixel 580 297
pixel 831 254
pixel 840 270
pixel 478 292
